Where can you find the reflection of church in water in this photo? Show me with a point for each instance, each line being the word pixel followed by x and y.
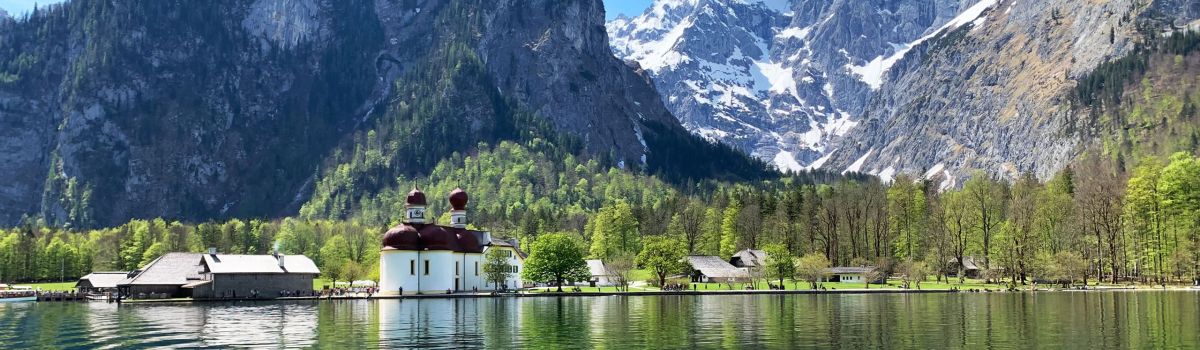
pixel 427 258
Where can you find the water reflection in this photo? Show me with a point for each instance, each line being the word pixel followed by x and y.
pixel 949 321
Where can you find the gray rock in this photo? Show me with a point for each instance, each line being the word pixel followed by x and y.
pixel 771 77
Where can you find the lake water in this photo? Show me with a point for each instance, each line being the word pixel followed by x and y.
pixel 1082 320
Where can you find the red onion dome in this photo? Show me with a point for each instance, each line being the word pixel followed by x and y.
pixel 458 199
pixel 435 237
pixel 468 242
pixel 416 197
pixel 403 237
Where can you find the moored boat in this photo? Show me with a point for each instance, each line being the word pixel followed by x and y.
pixel 18 293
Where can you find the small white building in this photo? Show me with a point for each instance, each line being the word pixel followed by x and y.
pixel 601 275
pixel 421 258
pixel 853 274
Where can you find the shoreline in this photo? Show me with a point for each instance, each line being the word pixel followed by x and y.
pixel 660 293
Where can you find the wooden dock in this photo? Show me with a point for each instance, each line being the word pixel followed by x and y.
pixel 61 296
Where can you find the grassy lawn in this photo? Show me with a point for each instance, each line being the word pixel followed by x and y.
pixel 59 286
pixel 585 288
pixel 930 284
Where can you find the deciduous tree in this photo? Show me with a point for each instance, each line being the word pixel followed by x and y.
pixel 555 258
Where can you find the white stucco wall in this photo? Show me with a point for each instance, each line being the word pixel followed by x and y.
pixel 472 273
pixel 440 276
pixel 394 272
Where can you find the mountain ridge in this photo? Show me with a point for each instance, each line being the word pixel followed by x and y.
pixel 952 87
pixel 771 77
pixel 200 111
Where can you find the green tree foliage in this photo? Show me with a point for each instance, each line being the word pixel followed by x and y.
pixel 987 198
pixel 495 267
pixel 1066 267
pixel 812 267
pixel 906 216
pixel 780 262
pixel 728 243
pixel 913 273
pixel 710 239
pixel 1145 218
pixel 663 257
pixel 555 258
pixel 614 231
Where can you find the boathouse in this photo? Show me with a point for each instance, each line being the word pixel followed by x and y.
pixel 164 277
pixel 212 275
pixel 100 282
pixel 253 276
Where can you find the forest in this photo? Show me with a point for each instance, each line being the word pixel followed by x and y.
pixel 1127 209
pixel 1140 226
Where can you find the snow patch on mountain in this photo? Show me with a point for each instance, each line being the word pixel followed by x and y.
pixel 858 164
pixel 784 160
pixel 872 72
pixel 776 78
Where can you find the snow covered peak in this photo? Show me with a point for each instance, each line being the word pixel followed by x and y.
pixel 776 78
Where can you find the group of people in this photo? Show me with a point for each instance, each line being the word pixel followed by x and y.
pixel 297 293
pixel 674 287
pixel 352 291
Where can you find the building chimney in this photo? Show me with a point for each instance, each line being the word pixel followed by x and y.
pixel 212 250
pixel 280 259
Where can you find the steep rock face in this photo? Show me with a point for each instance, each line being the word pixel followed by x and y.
pixel 554 57
pixel 199 110
pixel 780 79
pixel 992 94
pixel 178 110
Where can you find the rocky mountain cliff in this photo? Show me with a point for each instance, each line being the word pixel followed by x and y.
pixel 197 110
pixel 994 95
pixel 780 79
pixel 924 87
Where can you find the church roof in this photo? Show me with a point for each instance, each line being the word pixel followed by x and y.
pixel 433 237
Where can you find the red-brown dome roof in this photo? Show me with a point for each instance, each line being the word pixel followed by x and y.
pixel 458 199
pixel 403 237
pixel 435 237
pixel 416 197
pixel 468 242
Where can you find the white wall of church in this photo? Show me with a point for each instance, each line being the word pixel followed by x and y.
pixel 406 268
pixel 440 274
pixel 472 272
pixel 396 272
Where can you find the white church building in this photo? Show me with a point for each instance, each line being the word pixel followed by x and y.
pixel 421 258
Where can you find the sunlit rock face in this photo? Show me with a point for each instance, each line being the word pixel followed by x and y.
pixel 779 79
pixel 928 88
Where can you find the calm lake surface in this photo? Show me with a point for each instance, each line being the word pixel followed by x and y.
pixel 1091 320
